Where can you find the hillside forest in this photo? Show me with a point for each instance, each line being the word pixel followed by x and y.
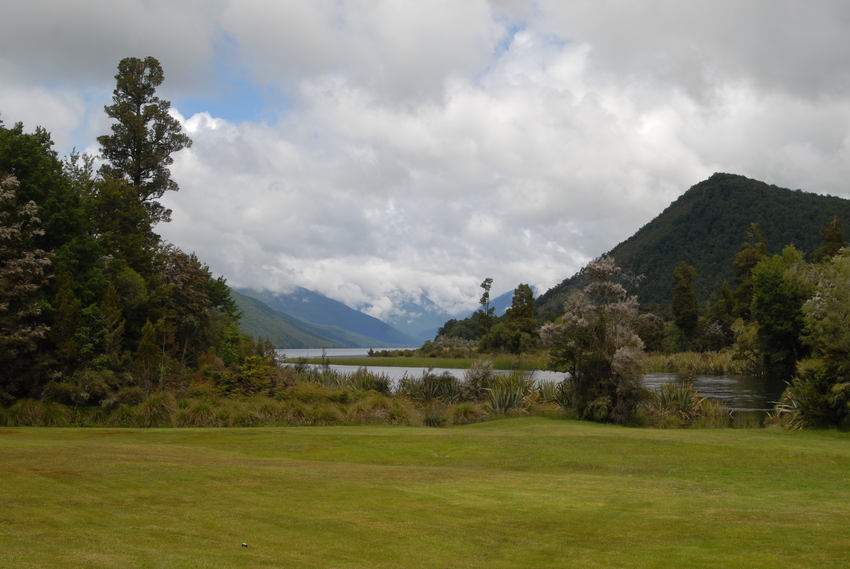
pixel 97 311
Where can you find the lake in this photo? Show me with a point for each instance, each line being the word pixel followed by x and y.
pixel 744 394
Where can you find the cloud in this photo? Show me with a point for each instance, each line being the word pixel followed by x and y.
pixel 405 151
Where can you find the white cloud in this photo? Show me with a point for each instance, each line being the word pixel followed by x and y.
pixel 418 148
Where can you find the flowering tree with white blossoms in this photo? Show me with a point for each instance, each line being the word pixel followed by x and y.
pixel 595 342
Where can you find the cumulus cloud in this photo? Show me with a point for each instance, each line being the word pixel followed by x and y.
pixel 413 150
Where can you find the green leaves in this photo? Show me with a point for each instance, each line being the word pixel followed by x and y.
pixel 145 135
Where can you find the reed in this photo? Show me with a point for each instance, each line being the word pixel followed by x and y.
pixel 696 363
pixel 430 387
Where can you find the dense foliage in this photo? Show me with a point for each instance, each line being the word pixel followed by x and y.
pixel 595 341
pixel 94 306
pixel 783 320
pixel 703 228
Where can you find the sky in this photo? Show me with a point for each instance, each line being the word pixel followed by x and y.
pixel 384 151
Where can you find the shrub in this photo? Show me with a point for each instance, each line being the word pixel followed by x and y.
pixel 155 411
pixel 678 404
pixel 465 413
pixel 509 392
pixel 430 386
pixel 325 414
pixel 364 380
pixel 477 379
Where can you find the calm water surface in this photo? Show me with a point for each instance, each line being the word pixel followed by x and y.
pixel 741 393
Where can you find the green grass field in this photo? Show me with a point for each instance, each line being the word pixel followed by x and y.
pixel 522 492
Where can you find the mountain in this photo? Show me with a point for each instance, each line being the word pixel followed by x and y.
pixel 329 318
pixel 285 331
pixel 705 227
pixel 418 318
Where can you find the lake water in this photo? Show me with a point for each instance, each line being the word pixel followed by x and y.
pixel 741 393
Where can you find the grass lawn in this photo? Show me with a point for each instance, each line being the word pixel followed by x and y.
pixel 525 492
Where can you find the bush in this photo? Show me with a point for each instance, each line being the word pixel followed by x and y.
pixel 509 392
pixel 430 386
pixel 465 413
pixel 155 411
pixel 678 404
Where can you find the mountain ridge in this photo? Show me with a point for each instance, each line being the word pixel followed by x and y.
pixel 328 319
pixel 705 227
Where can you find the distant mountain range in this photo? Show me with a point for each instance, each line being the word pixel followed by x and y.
pixel 705 227
pixel 307 319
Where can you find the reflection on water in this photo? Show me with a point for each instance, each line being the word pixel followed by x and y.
pixel 331 352
pixel 739 392
pixel 395 374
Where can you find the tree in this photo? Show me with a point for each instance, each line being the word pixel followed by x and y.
pixel 145 135
pixel 595 341
pixel 752 250
pixel 833 241
pixel 188 307
pixel 518 332
pixel 685 304
pixel 521 313
pixel 780 288
pixel 23 271
pixel 820 393
pixel 485 317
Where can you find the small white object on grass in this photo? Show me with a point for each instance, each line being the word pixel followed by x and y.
pixel 244 545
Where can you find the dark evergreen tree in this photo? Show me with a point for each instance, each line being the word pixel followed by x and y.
pixel 779 292
pixel 518 331
pixel 833 241
pixel 685 304
pixel 145 135
pixel 752 251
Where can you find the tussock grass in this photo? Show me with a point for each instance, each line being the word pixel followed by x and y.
pixel 695 363
pixel 680 405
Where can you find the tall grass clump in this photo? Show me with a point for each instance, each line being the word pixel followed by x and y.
pixel 466 412
pixel 365 380
pixel 680 405
pixel 381 410
pixel 509 392
pixel 155 411
pixel 32 413
pixel 432 387
pixel 696 363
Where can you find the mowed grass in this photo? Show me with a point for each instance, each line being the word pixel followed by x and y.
pixel 518 492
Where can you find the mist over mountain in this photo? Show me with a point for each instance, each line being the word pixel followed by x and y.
pixel 321 321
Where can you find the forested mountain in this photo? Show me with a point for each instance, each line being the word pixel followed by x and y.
pixel 705 228
pixel 331 319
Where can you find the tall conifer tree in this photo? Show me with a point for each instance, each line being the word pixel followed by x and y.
pixel 145 135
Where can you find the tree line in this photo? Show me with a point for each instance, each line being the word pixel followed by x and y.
pixel 94 305
pixel 786 318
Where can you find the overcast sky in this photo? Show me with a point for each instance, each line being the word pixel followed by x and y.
pixel 376 151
